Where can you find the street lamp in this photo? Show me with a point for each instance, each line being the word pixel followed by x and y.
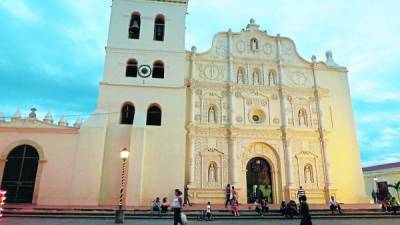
pixel 119 213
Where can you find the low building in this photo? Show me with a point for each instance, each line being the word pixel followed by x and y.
pixel 381 176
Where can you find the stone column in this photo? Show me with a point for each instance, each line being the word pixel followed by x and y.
pixel 192 104
pixel 231 78
pixel 284 123
pixel 192 158
pixel 323 140
pixel 193 62
pixel 289 164
pixel 233 162
pixel 191 84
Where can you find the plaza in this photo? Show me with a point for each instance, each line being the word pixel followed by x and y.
pixel 31 221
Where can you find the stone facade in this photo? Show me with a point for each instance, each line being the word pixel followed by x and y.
pixel 252 95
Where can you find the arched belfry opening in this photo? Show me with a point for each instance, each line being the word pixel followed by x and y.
pixel 159 28
pixel 19 175
pixel 154 115
pixel 134 26
pixel 127 113
pixel 259 180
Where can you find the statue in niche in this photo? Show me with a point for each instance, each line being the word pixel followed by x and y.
pixel 240 76
pixel 272 78
pixel 302 117
pixel 256 77
pixel 212 115
pixel 212 178
pixel 308 174
pixel 254 44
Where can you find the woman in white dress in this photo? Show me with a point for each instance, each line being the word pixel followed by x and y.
pixel 176 207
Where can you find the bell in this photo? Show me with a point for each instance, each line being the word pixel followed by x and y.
pixel 135 25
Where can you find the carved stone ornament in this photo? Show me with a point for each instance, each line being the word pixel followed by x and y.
pixel 241 46
pixel 211 71
pixel 199 92
pixel 249 101
pixel 298 78
pixel 224 93
pixel 267 49
pixel 239 119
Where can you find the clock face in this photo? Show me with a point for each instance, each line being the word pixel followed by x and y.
pixel 144 71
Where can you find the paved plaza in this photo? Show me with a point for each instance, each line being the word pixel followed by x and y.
pixel 30 221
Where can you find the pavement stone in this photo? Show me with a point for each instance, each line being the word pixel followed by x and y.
pixel 31 221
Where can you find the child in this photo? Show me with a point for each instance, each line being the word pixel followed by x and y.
pixel 235 207
pixel 208 212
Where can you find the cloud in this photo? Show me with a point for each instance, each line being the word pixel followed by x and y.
pixel 379 159
pixel 20 10
pixel 387 137
pixel 378 118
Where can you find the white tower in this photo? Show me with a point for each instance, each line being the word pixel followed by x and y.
pixel 144 95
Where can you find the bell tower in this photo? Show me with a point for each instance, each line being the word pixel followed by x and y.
pixel 143 94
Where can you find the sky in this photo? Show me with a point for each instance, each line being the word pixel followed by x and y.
pixel 52 53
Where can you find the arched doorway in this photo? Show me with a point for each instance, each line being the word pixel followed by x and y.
pixel 259 179
pixel 20 174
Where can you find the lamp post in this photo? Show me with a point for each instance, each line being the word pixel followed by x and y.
pixel 119 213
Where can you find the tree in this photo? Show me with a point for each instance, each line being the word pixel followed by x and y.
pixel 396 186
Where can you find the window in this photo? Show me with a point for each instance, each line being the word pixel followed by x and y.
pixel 131 68
pixel 127 113
pixel 134 26
pixel 159 28
pixel 153 116
pixel 302 117
pixel 254 44
pixel 158 69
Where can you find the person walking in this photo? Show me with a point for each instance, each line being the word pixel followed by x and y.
pixel 260 195
pixel 374 197
pixel 235 194
pixel 300 193
pixel 208 211
pixel 186 196
pixel 235 207
pixel 177 206
pixel 228 195
pixel 305 211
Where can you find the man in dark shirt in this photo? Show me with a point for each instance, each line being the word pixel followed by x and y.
pixel 228 195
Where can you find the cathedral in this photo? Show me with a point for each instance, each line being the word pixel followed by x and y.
pixel 249 112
